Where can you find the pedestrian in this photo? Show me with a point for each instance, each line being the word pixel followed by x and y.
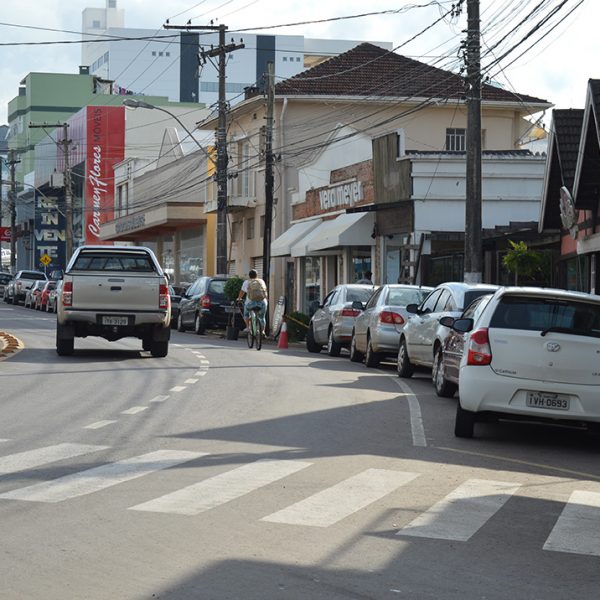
pixel 254 289
pixel 367 278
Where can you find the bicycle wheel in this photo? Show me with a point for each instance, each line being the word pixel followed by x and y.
pixel 258 334
pixel 250 337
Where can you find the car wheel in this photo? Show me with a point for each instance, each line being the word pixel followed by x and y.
pixel 333 347
pixel 465 422
pixel 372 358
pixel 405 367
pixel 443 387
pixel 180 326
pixel 355 355
pixel 159 349
pixel 311 345
pixel 198 325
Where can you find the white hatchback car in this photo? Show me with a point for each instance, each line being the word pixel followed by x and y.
pixel 533 353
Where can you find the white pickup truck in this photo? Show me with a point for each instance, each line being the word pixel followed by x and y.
pixel 114 292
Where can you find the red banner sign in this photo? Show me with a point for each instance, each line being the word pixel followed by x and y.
pixel 105 148
pixel 4 234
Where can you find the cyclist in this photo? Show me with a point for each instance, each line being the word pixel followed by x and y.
pixel 255 291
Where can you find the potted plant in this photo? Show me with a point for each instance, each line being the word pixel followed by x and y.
pixel 232 291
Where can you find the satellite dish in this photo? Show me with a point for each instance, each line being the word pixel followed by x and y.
pixel 568 212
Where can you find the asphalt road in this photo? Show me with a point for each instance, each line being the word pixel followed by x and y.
pixel 221 472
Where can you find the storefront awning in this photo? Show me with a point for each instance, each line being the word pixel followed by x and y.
pixel 353 229
pixel 283 244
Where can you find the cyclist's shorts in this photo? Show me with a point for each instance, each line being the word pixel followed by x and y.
pixel 250 304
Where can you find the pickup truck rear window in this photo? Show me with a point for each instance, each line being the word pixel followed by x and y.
pixel 105 261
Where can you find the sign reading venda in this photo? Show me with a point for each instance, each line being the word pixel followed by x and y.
pixel 105 129
pixel 341 195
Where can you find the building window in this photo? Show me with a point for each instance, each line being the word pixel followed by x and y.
pixel 285 59
pixel 235 231
pixel 262 226
pixel 456 139
pixel 112 3
pixel 122 200
pixel 153 53
pixel 167 54
pixel 297 59
pixel 96 24
pixel 161 53
pixel 250 228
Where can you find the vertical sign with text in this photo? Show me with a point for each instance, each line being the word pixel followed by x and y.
pixel 49 230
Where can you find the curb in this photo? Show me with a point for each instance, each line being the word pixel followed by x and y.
pixel 9 345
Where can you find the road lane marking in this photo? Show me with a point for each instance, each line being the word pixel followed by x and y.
pixel 99 478
pixel 23 461
pixel 577 530
pixel 340 501
pixel 159 398
pixel 463 512
pixel 177 388
pixel 414 409
pixel 190 381
pixel 134 410
pixel 217 490
pixel 4 440
pixel 99 424
pixel 200 373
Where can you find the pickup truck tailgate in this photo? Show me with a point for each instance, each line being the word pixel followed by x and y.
pixel 116 293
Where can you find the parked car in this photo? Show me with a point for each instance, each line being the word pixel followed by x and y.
pixel 333 321
pixel 204 306
pixel 444 373
pixel 377 329
pixel 41 299
pixel 534 353
pixel 23 280
pixel 422 336
pixel 4 279
pixel 53 296
pixel 175 300
pixel 33 292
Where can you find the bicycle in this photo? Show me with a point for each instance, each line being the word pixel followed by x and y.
pixel 254 329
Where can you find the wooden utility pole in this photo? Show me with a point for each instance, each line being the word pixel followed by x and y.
pixel 12 161
pixel 473 245
pixel 221 52
pixel 270 87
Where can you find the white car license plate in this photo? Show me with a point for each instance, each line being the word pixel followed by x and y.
pixel 547 400
pixel 114 321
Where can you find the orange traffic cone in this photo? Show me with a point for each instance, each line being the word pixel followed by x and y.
pixel 283 337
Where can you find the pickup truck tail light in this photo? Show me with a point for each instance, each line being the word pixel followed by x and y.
pixel 479 351
pixel 389 317
pixel 163 296
pixel 349 312
pixel 67 293
pixel 205 302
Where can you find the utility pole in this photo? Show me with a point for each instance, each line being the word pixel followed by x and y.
pixel 473 245
pixel 220 52
pixel 64 145
pixel 268 175
pixel 12 161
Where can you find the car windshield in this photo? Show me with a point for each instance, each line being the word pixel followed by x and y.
pixel 360 294
pixel 548 314
pixel 403 297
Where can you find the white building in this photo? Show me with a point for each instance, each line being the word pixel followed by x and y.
pixel 165 62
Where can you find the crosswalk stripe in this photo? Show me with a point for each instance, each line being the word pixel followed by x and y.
pixel 99 478
pixel 159 398
pixel 99 424
pixel 134 410
pixel 340 501
pixel 578 528
pixel 177 388
pixel 463 512
pixel 222 488
pixel 22 461
pixel 190 381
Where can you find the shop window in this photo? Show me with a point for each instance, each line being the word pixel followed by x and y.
pixel 578 271
pixel 361 264
pixel 310 279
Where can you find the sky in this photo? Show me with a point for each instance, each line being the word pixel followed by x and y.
pixel 556 69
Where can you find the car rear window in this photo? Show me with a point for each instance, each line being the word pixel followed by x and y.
pixel 5 277
pixel 360 294
pixel 472 294
pixel 216 286
pixel 406 297
pixel 119 262
pixel 548 314
pixel 35 275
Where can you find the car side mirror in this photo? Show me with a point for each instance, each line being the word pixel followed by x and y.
pixel 358 305
pixel 447 321
pixel 462 325
pixel 412 308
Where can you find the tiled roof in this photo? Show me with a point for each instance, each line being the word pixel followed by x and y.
pixel 567 133
pixel 368 70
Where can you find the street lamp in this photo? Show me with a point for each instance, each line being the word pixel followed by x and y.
pixel 221 179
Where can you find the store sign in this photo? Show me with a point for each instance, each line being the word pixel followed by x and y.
pixel 130 223
pixel 341 196
pixel 49 232
pixel 4 234
pixel 105 148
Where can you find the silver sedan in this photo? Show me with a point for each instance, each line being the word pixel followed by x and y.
pixel 377 330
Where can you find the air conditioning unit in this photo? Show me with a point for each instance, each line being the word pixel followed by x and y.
pixel 57 180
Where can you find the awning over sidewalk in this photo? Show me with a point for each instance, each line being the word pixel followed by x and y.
pixel 283 244
pixel 345 230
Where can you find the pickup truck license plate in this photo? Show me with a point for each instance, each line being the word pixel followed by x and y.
pixel 114 321
pixel 547 400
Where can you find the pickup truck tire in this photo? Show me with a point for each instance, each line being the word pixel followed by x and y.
pixel 199 327
pixel 64 344
pixel 146 344
pixel 159 349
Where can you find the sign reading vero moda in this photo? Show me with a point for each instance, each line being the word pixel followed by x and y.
pixel 105 133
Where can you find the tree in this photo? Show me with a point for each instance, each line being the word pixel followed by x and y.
pixel 522 261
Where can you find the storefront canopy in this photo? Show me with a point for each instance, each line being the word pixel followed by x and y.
pixel 352 229
pixel 283 244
